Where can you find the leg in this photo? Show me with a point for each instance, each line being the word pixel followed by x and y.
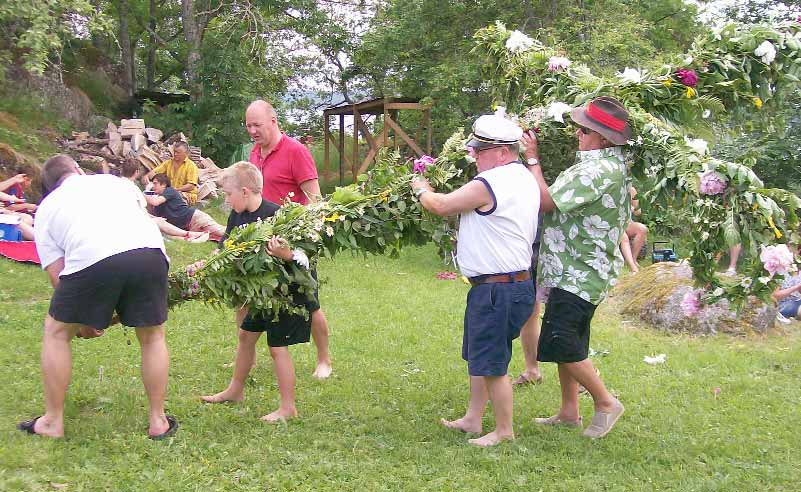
pixel 155 368
pixel 734 255
pixel 625 248
pixel 27 231
pixel 607 408
pixel 285 375
pixel 529 338
pixel 638 234
pixel 471 422
pixel 319 329
pixel 500 394
pixel 245 358
pixel 56 375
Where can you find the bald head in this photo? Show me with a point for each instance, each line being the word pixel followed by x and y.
pixel 262 125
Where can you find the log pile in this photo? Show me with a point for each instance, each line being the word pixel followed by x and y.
pixel 132 139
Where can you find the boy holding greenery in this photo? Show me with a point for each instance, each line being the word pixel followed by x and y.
pixel 242 184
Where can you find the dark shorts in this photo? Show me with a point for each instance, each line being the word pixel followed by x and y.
pixel 790 309
pixel 492 319
pixel 133 283
pixel 313 304
pixel 288 329
pixel 565 331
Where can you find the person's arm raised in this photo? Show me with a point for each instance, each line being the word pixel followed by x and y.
pixel 473 195
pixel 529 140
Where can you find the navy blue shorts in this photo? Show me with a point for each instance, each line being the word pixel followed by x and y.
pixel 789 309
pixel 565 331
pixel 492 319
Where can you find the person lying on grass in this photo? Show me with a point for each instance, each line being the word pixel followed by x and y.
pixel 100 259
pixel 169 203
pixel 497 225
pixel 131 170
pixel 242 184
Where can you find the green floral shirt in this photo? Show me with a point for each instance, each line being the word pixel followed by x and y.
pixel 580 250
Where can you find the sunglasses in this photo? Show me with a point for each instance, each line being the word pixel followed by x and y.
pixel 482 149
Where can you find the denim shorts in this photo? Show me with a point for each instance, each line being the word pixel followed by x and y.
pixel 789 309
pixel 492 319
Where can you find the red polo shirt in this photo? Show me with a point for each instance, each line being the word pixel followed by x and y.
pixel 284 169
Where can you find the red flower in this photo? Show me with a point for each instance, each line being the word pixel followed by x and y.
pixel 687 77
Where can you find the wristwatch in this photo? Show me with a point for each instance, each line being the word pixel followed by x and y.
pixel 419 191
pixel 532 161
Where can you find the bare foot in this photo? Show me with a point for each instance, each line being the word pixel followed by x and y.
pixel 323 370
pixel 462 425
pixel 528 377
pixel 491 439
pixel 43 427
pixel 223 396
pixel 158 426
pixel 280 415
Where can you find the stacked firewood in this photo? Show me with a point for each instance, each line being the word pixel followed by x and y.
pixel 132 139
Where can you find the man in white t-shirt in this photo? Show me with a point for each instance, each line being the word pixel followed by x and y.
pixel 102 254
pixel 497 225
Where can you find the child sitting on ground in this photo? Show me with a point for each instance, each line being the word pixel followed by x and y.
pixel 242 184
pixel 15 187
pixel 169 203
pixel 131 170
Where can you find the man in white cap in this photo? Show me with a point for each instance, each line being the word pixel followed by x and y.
pixel 586 212
pixel 497 225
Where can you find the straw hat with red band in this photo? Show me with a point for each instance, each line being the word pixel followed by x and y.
pixel 606 116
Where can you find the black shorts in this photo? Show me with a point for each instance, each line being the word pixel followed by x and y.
pixel 288 329
pixel 313 304
pixel 133 283
pixel 565 331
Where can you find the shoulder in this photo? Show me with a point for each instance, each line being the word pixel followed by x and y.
pixel 294 147
pixel 268 209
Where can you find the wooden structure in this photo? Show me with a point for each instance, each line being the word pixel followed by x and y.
pixel 386 108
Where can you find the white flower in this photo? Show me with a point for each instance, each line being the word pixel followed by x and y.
pixel 607 201
pixel 746 282
pixel 659 359
pixel 718 292
pixel 707 113
pixel 630 76
pixel 556 63
pixel 290 194
pixel 596 227
pixel 518 42
pixel 688 60
pixel 557 109
pixel 698 145
pixel 329 231
pixel 551 265
pixel 554 239
pixel 767 51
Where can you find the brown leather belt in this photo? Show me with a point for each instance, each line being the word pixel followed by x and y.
pixel 501 278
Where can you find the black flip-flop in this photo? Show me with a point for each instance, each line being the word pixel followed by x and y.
pixel 28 425
pixel 169 432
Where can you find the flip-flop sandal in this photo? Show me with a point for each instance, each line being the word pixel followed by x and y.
pixel 523 380
pixel 28 425
pixel 169 432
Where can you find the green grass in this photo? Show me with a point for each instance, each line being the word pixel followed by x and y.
pixel 27 126
pixel 396 336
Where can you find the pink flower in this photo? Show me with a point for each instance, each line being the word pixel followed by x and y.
pixel 687 77
pixel 691 303
pixel 446 275
pixel 556 63
pixel 422 163
pixel 776 259
pixel 712 183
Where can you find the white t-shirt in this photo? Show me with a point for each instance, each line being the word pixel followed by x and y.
pixel 499 240
pixel 90 218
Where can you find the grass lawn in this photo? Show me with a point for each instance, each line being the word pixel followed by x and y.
pixel 396 337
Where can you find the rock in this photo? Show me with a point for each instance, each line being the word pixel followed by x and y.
pixel 654 295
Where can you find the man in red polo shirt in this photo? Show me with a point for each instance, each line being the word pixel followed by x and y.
pixel 288 170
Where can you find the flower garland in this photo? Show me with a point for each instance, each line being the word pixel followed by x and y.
pixel 724 69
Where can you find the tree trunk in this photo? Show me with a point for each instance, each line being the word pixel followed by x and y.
pixel 129 68
pixel 193 34
pixel 150 69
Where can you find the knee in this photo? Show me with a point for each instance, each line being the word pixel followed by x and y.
pixel 59 330
pixel 150 335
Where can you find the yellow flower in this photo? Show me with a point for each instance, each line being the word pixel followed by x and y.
pixel 228 244
pixel 667 82
pixel 758 102
pixel 465 280
pixel 773 226
pixel 333 218
pixel 690 92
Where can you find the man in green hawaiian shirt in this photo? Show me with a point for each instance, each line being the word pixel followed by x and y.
pixel 586 212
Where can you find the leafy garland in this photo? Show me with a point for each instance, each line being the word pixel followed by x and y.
pixel 728 202
pixel 725 70
pixel 378 215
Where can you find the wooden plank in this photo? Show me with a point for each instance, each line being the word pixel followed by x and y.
pixel 326 150
pixel 154 134
pixel 126 148
pixel 138 141
pixel 365 131
pixel 110 128
pixel 133 123
pixel 427 118
pixel 115 143
pixel 369 159
pixel 407 105
pixel 402 134
pixel 128 133
pixel 355 149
